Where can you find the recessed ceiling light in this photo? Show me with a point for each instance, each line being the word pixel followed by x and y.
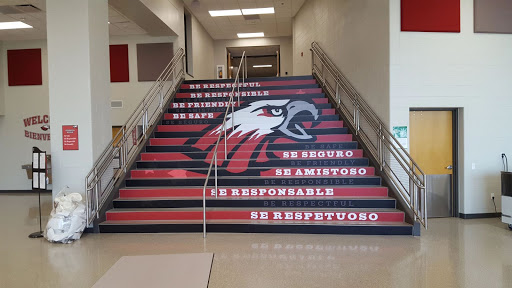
pixel 269 10
pixel 216 13
pixel 250 35
pixel 262 66
pixel 13 25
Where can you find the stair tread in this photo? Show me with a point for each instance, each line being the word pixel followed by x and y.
pixel 276 209
pixel 259 167
pixel 252 187
pixel 258 222
pixel 257 198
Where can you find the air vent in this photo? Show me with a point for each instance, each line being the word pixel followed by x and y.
pixel 28 8
pixel 116 104
pixel 19 9
pixel 252 17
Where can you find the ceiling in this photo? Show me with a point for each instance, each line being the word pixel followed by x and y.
pixel 119 25
pixel 273 25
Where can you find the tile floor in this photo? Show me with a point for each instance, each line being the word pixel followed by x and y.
pixel 452 253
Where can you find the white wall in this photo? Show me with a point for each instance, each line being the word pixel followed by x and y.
pixel 131 93
pixel 285 44
pixel 2 94
pixel 464 70
pixel 20 102
pixel 202 52
pixel 355 35
pixel 26 101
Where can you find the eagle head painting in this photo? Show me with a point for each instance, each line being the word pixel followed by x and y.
pixel 252 128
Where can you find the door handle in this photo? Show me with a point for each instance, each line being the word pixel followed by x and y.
pixel 449 167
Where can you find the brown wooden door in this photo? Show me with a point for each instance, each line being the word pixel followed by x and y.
pixel 116 129
pixel 431 141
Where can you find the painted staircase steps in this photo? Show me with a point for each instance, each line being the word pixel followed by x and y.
pixel 305 87
pixel 318 98
pixel 230 181
pixel 326 142
pixel 226 202
pixel 279 185
pixel 303 192
pixel 238 226
pixel 247 84
pixel 217 118
pixel 294 155
pixel 264 214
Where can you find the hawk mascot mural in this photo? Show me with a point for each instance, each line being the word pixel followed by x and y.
pixel 250 130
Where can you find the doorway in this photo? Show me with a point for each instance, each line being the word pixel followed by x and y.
pixel 262 61
pixel 433 145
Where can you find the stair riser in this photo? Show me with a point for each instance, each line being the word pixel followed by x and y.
pixel 311 132
pixel 281 203
pixel 247 84
pixel 266 216
pixel 270 163
pixel 250 91
pixel 318 98
pixel 268 192
pixel 295 155
pixel 238 182
pixel 251 171
pixel 220 107
pixel 206 127
pixel 339 142
pixel 258 228
pixel 216 120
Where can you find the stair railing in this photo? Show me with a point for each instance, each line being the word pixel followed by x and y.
pixel 114 161
pixel 394 160
pixel 236 85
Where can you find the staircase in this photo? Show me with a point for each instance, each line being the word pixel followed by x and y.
pixel 292 167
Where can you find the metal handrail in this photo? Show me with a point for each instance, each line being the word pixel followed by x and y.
pixel 405 174
pixel 236 84
pixel 112 164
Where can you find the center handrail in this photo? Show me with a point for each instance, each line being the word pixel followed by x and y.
pixel 404 173
pixel 236 84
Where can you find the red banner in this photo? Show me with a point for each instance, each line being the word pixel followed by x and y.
pixel 70 137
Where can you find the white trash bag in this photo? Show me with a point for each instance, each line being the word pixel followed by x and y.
pixel 67 219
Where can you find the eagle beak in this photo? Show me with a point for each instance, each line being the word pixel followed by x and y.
pixel 293 109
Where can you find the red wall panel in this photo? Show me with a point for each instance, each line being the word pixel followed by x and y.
pixel 430 15
pixel 24 67
pixel 119 69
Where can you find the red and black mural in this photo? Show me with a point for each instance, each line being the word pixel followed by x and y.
pixel 253 130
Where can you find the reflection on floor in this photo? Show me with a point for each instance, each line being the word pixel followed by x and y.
pixel 452 253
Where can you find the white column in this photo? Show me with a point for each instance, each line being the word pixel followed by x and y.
pixel 79 86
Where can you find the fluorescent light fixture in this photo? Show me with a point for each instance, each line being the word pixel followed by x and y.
pixel 250 35
pixel 269 10
pixel 262 66
pixel 216 13
pixel 13 25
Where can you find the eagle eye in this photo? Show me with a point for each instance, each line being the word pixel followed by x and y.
pixel 271 111
pixel 276 111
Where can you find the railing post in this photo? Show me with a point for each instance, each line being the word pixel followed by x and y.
pixel 204 209
pixel 225 140
pixel 312 61
pixel 381 147
pixel 338 97
pixel 216 186
pixel 146 122
pixel 96 192
pixel 125 156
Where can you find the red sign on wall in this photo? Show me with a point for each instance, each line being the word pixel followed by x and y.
pixel 70 137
